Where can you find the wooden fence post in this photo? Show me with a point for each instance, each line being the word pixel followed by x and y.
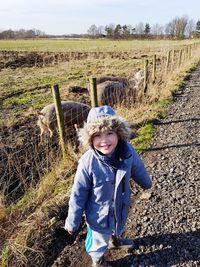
pixel 154 69
pixel 187 53
pixel 168 60
pixel 190 51
pixel 180 57
pixel 172 59
pixel 59 116
pixel 145 75
pixel 93 92
pixel 184 54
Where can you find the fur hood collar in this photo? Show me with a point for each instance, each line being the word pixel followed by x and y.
pixel 102 119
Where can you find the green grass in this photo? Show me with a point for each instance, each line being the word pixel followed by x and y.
pixel 24 201
pixel 85 44
pixel 22 88
pixel 4 257
pixel 144 137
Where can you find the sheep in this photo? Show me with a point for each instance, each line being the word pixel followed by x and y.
pixel 80 90
pixel 138 78
pixel 74 114
pixel 110 92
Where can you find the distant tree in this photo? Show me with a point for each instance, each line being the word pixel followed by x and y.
pixel 109 30
pixel 39 32
pixel 30 33
pixel 190 27
pixel 8 34
pixel 118 31
pixel 20 34
pixel 127 30
pixel 101 30
pixel 139 28
pixel 198 26
pixel 133 30
pixel 176 28
pixel 157 29
pixel 147 28
pixel 93 30
pixel 170 29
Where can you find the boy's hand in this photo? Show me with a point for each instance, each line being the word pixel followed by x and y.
pixel 70 232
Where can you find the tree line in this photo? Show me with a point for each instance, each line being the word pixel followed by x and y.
pixel 21 34
pixel 178 28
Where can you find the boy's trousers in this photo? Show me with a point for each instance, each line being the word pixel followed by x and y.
pixel 96 244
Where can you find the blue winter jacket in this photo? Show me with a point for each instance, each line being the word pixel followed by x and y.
pixel 98 183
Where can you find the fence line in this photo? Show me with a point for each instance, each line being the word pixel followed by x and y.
pixel 22 164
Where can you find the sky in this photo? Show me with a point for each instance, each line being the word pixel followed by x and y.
pixel 76 16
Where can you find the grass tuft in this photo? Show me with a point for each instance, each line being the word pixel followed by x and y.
pixel 144 137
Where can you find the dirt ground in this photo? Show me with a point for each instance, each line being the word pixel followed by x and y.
pixel 163 221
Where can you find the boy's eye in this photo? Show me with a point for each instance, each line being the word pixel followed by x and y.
pixel 96 135
pixel 109 133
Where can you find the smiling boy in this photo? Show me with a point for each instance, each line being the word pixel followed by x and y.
pixel 101 186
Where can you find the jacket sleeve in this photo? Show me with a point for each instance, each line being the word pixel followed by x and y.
pixel 139 172
pixel 78 198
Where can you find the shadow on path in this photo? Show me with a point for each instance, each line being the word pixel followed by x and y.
pixel 173 146
pixel 168 250
pixel 157 122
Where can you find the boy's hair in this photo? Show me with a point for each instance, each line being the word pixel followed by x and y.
pixel 102 119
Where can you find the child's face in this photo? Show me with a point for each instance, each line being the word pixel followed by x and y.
pixel 105 142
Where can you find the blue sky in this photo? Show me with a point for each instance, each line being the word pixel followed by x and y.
pixel 76 16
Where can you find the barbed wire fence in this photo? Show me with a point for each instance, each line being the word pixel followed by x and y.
pixel 24 159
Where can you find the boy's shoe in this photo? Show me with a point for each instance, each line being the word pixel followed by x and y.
pixel 101 263
pixel 117 243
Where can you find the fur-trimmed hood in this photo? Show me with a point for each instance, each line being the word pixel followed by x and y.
pixel 102 119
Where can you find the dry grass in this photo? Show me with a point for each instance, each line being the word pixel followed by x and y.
pixel 28 226
pixel 3 214
pixel 33 217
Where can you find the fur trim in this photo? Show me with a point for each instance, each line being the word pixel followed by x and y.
pixel 104 123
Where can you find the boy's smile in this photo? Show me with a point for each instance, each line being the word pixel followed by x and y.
pixel 105 142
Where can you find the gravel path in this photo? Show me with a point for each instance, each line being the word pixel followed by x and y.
pixel 164 221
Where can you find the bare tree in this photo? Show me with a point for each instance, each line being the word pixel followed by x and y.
pixel 139 28
pixel 101 30
pixel 93 30
pixel 190 27
pixel 176 28
pixel 157 29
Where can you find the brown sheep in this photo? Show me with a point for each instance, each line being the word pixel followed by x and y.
pixel 80 90
pixel 110 92
pixel 74 114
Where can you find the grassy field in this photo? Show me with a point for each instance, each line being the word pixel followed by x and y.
pixel 89 45
pixel 24 89
pixel 29 223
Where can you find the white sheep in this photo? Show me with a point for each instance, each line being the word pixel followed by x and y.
pixel 74 114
